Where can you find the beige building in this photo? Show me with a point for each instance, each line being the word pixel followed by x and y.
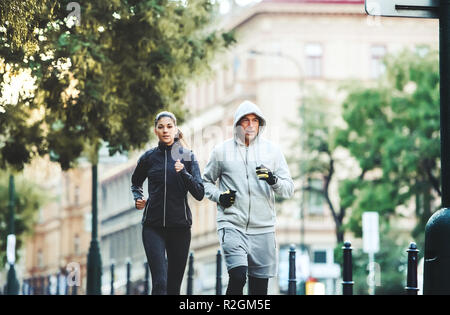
pixel 62 234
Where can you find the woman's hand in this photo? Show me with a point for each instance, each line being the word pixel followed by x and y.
pixel 178 166
pixel 140 204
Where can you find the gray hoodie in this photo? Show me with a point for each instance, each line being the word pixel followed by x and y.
pixel 234 165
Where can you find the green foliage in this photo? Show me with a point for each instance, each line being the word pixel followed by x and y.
pixel 317 160
pixel 380 196
pixel 29 199
pixel 20 139
pixel 392 130
pixel 317 125
pixel 104 79
pixel 20 19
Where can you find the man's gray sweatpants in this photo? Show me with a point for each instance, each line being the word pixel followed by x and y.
pixel 257 251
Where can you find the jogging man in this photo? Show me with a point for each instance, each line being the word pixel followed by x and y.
pixel 249 170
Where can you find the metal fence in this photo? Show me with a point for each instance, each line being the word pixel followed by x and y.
pixel 63 284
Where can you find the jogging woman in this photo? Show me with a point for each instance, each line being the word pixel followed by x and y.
pixel 172 171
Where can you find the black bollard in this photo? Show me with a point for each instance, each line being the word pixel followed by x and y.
pixel 436 273
pixel 36 285
pixel 24 287
pixel 75 289
pixel 112 279
pixel 128 290
pixel 33 285
pixel 42 285
pixel 411 278
pixel 39 285
pixel 66 285
pixel 292 284
pixel 146 281
pixel 219 273
pixel 190 278
pixel 49 286
pixel 58 275
pixel 28 292
pixel 347 283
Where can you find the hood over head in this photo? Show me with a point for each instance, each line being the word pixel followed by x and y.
pixel 245 108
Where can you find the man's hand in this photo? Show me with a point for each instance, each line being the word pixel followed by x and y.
pixel 266 174
pixel 140 204
pixel 227 198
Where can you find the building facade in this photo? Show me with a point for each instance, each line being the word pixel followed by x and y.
pixel 56 253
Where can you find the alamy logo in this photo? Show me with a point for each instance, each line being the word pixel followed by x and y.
pixel 73 276
pixel 75 14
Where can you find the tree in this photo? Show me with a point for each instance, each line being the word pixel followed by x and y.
pixel 29 199
pixel 393 132
pixel 103 77
pixel 20 19
pixel 318 158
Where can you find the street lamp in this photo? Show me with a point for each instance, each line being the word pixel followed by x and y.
pixel 12 285
pixel 94 260
pixel 279 54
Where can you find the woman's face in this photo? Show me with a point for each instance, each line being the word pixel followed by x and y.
pixel 166 130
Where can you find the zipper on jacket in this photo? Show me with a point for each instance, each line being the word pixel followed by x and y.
pixel 248 185
pixel 165 187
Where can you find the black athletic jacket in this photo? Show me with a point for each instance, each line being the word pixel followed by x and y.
pixel 167 205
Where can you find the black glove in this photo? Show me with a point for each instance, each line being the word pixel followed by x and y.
pixel 226 198
pixel 264 173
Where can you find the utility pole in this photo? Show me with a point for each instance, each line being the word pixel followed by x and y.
pixel 12 285
pixel 94 261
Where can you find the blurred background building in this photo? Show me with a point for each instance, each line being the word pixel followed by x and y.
pixel 61 237
pixel 282 47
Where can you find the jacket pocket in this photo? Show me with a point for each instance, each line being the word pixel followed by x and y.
pixel 262 213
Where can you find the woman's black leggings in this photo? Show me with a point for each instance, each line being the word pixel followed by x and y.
pixel 166 274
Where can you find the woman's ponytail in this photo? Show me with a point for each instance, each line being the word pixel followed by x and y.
pixel 180 137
